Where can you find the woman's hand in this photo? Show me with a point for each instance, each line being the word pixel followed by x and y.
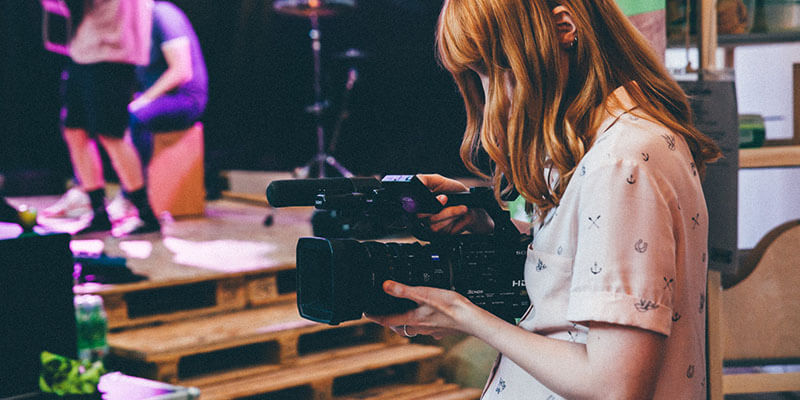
pixel 456 219
pixel 440 312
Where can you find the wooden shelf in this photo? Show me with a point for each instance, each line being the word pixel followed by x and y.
pixel 770 157
pixel 758 38
pixel 742 39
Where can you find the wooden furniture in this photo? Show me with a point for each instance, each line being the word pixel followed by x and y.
pixel 175 174
pixel 770 156
pixel 754 318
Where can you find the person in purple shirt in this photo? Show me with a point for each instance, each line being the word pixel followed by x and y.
pixel 175 82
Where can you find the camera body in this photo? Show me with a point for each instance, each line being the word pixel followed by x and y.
pixel 339 279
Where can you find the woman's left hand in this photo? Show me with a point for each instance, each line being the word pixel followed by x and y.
pixel 440 313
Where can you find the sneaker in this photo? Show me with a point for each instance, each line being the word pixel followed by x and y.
pixel 73 204
pixel 121 208
pixel 136 226
pixel 99 223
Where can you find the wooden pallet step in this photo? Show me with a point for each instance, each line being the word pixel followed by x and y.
pixel 149 302
pixel 438 390
pixel 257 339
pixel 336 376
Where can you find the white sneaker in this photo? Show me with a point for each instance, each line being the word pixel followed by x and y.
pixel 121 208
pixel 73 204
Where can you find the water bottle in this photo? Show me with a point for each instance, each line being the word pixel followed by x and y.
pixel 92 326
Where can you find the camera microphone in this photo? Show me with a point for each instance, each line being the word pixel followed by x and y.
pixel 303 192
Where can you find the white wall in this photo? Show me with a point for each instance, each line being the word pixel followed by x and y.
pixel 767 197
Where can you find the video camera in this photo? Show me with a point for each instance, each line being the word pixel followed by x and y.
pixel 340 279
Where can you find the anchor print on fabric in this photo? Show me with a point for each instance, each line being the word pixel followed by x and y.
pixel 675 316
pixel 690 372
pixel 559 250
pixel 696 221
pixel 670 141
pixel 640 246
pixel 540 266
pixel 583 170
pixel 645 305
pixel 631 179
pixel 646 157
pixel 596 269
pixel 694 169
pixel 594 222
pixel 668 283
pixel 501 385
pixel 573 337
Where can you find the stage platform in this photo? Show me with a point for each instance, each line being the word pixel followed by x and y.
pixel 226 259
pixel 216 309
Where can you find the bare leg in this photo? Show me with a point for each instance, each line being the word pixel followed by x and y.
pixel 85 158
pixel 128 165
pixel 125 160
pixel 88 167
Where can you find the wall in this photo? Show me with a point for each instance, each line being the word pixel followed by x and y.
pixel 649 16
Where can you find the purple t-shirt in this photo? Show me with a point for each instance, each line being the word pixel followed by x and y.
pixel 170 23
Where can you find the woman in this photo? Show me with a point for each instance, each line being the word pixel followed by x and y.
pixel 111 39
pixel 578 115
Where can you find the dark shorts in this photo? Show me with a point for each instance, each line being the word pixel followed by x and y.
pixel 96 97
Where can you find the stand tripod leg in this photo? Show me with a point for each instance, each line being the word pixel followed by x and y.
pixel 339 167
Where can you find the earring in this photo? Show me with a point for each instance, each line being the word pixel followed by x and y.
pixel 574 43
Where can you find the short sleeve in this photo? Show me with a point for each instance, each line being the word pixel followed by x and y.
pixel 625 259
pixel 170 23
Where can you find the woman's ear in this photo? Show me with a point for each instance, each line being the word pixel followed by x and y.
pixel 565 27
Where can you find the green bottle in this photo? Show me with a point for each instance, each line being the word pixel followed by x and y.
pixel 92 326
pixel 751 130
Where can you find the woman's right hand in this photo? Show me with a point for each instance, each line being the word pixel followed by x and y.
pixel 456 219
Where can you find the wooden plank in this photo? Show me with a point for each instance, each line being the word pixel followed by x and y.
pixel 399 391
pixel 461 394
pixel 147 304
pixel 438 390
pixel 796 101
pixel 707 25
pixel 770 157
pixel 761 383
pixel 277 332
pixel 714 335
pixel 322 371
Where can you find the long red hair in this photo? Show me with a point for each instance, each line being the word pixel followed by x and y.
pixel 552 115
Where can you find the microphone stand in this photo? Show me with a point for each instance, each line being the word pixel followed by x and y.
pixel 322 158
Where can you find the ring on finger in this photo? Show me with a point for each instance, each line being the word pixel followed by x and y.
pixel 405 332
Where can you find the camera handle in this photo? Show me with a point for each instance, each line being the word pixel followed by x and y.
pixel 483 197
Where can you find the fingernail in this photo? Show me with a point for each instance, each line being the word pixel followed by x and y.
pixel 390 287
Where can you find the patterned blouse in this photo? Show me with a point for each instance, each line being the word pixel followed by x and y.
pixel 627 246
